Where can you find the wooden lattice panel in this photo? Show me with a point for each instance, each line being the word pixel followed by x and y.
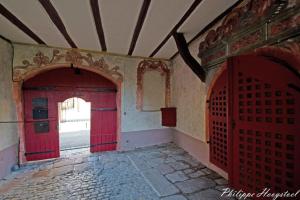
pixel 218 123
pixel 267 117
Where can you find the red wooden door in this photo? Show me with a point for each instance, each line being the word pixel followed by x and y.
pixel 218 127
pixel 41 134
pixel 266 114
pixel 103 121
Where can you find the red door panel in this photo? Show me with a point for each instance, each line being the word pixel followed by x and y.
pixel 218 123
pixel 103 121
pixel 266 112
pixel 41 134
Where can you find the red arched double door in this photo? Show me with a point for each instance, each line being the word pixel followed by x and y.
pixel 254 124
pixel 41 96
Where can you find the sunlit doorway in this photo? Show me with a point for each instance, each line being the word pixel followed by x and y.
pixel 74 123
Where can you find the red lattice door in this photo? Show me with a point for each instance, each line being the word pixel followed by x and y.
pixel 266 112
pixel 218 136
pixel 103 121
pixel 41 134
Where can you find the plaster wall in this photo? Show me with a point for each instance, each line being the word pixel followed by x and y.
pixel 189 96
pixel 8 118
pixel 131 119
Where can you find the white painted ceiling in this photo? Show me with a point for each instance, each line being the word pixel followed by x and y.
pixel 119 19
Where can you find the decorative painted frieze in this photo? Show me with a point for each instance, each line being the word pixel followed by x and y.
pixel 283 25
pixel 246 41
pixel 253 24
pixel 75 57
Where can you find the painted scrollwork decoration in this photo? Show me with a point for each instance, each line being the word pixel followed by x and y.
pixel 69 57
pixel 247 14
pixel 152 65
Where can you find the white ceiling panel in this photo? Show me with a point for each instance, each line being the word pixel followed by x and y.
pixel 207 11
pixel 33 15
pixel 13 33
pixel 168 49
pixel 79 22
pixel 119 19
pixel 162 16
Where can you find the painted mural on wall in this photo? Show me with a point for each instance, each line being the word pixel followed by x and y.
pixel 32 59
pixel 147 66
pixel 68 57
pixel 254 24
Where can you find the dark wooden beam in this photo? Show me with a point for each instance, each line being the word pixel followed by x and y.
pixel 187 57
pixel 54 16
pixel 175 28
pixel 98 23
pixel 211 24
pixel 13 19
pixel 139 25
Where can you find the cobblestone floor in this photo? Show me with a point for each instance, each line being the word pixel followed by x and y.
pixel 158 172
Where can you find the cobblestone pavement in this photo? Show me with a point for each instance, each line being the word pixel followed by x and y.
pixel 158 172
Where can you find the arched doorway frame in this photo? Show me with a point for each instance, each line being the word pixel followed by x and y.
pixel 288 56
pixel 36 70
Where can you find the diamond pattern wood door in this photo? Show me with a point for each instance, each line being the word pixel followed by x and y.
pixel 266 136
pixel 103 121
pixel 218 123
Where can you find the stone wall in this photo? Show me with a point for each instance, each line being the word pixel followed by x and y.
pixel 8 118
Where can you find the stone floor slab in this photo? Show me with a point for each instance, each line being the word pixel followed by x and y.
pixel 151 173
pixel 176 177
pixel 209 194
pixel 194 185
pixel 175 197
pixel 159 183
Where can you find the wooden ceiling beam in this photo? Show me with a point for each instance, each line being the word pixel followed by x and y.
pixel 187 57
pixel 98 23
pixel 139 25
pixel 175 28
pixel 210 25
pixel 54 16
pixel 18 23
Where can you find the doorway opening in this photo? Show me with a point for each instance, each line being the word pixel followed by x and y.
pixel 74 115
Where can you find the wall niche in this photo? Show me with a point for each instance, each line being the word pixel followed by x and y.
pixel 153 85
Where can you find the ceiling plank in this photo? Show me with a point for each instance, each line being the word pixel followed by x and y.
pixel 211 24
pixel 54 16
pixel 181 21
pixel 98 23
pixel 139 25
pixel 13 19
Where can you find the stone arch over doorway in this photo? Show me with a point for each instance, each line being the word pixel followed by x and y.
pixel 71 58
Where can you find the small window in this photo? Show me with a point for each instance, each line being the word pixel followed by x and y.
pixel 41 127
pixel 40 108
